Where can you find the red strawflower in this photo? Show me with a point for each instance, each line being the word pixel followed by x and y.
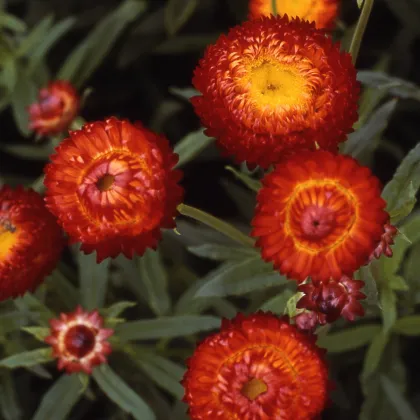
pixel 30 241
pixel 319 215
pixel 258 367
pixel 333 299
pixel 275 86
pixel 322 12
pixel 384 247
pixel 113 187
pixel 78 341
pixel 58 105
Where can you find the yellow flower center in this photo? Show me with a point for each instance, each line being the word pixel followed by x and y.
pixel 8 239
pixel 254 388
pixel 276 84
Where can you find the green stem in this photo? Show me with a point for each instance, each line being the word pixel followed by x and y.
pixel 360 29
pixel 216 224
pixel 274 7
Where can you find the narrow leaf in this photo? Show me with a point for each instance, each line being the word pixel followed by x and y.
pixel 349 339
pixel 277 304
pixel 167 327
pixel 218 252
pixel 36 36
pixel 27 358
pixel 57 403
pixel 401 405
pixel 177 13
pixel 190 146
pixel 251 183
pixel 93 280
pixel 40 333
pixel 374 353
pixel 184 93
pixel 117 308
pixel 122 395
pixel 9 405
pixel 388 300
pixel 11 22
pixel 154 278
pixel 409 325
pixel 407 176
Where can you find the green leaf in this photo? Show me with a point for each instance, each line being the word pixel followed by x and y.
pixel 164 372
pixel 218 252
pixel 122 395
pixel 190 146
pixel 236 278
pixel 374 353
pixel 277 304
pixel 40 333
pixel 366 137
pixel 360 3
pixel 397 283
pixel 88 56
pixel 406 204
pixel 12 22
pixel 409 325
pixel 27 151
pixel 402 406
pixel 290 309
pixel 177 13
pixel 10 74
pixel 63 287
pixel 93 280
pixel 117 308
pixel 349 339
pixel 167 327
pixel 184 93
pixel 27 358
pixel 407 176
pixel 52 37
pixel 9 405
pixel 154 278
pixel 35 37
pixel 370 288
pixel 35 309
pixel 388 301
pixel 23 95
pixel 251 183
pixel 393 85
pixel 57 403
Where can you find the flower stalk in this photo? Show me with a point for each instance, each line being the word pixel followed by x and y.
pixel 360 29
pixel 217 224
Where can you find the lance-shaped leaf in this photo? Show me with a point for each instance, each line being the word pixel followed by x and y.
pixel 409 325
pixel 122 395
pixel 177 13
pixel 191 145
pixel 9 406
pixel 27 358
pixel 218 252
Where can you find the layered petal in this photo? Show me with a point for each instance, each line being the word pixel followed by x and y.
pixel 319 215
pixel 31 241
pixel 113 187
pixel 273 87
pixel 258 367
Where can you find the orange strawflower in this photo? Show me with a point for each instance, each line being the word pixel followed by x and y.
pixel 113 187
pixel 319 215
pixel 30 241
pixel 274 86
pixel 58 105
pixel 322 12
pixel 78 341
pixel 258 367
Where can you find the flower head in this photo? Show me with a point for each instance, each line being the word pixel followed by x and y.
pixel 306 321
pixel 113 187
pixel 58 105
pixel 30 241
pixel 384 246
pixel 323 12
pixel 334 298
pixel 257 367
pixel 319 215
pixel 78 341
pixel 275 86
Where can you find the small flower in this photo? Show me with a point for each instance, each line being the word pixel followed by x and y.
pixel 257 367
pixel 273 87
pixel 333 299
pixel 58 105
pixel 78 341
pixel 323 12
pixel 306 321
pixel 384 247
pixel 319 215
pixel 30 241
pixel 113 187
